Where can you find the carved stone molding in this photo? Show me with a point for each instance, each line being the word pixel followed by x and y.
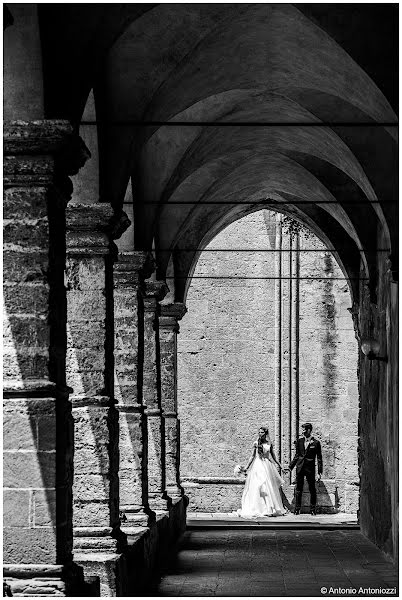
pixel 92 227
pixel 132 267
pixel 170 314
pixel 154 292
pixel 36 137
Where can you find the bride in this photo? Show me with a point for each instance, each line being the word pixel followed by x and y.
pixel 262 490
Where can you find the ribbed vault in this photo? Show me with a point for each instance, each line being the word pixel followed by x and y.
pixel 212 109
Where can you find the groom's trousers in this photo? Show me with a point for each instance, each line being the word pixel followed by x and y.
pixel 310 476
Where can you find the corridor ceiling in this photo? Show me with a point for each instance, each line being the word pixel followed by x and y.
pixel 181 93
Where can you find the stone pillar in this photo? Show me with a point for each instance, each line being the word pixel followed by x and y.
pixel 294 340
pixel 154 292
pixel 278 335
pixel 286 331
pixel 38 440
pixel 129 273
pixel 170 314
pixel 90 339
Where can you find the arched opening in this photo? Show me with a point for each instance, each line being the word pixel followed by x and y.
pixel 267 340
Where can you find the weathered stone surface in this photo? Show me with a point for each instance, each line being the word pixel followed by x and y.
pixel 155 454
pixel 109 568
pixel 129 272
pixel 46 433
pixel 29 469
pixel 25 331
pixel 32 231
pixel 19 431
pixel 27 171
pixel 87 383
pixel 22 544
pixel 36 137
pixel 86 274
pixel 378 448
pixel 86 306
pixel 90 514
pixel 27 298
pixel 34 200
pixel 89 372
pixel 16 505
pixel 154 291
pixel 43 506
pixel 88 231
pixel 170 314
pixel 21 203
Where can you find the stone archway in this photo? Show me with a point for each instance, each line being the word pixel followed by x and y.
pixel 267 339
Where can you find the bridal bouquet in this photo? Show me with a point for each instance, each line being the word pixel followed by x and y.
pixel 238 469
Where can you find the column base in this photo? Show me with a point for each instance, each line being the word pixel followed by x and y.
pixel 107 568
pixel 102 539
pixel 100 555
pixel 45 580
pixel 159 504
pixel 132 517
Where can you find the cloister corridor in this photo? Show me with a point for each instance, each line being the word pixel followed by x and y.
pixel 200 209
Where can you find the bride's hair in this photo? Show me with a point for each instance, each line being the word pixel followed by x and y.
pixel 260 440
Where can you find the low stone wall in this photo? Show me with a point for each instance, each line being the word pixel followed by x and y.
pixel 225 496
pixel 149 548
pixel 147 551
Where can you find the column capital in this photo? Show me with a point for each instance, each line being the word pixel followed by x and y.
pixel 91 228
pixel 32 149
pixel 176 310
pixel 154 292
pixel 132 267
pixel 170 314
pixel 36 137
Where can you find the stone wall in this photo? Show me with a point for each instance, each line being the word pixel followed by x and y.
pixel 245 359
pixel 378 448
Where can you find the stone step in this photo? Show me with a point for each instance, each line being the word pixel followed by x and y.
pixel 198 524
pixel 204 520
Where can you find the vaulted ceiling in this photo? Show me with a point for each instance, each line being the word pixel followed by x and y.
pixel 213 110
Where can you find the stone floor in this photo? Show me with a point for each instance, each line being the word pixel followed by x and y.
pixel 263 562
pixel 338 520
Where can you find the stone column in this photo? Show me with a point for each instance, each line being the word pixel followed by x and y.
pixel 286 332
pixel 170 314
pixel 97 537
pixel 129 273
pixel 294 345
pixel 154 292
pixel 38 444
pixel 278 336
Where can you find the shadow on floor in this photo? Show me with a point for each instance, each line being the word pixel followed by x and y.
pixel 275 563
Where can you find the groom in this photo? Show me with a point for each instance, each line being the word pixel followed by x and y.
pixel 307 449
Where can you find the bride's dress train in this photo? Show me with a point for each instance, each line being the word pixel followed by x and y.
pixel 262 493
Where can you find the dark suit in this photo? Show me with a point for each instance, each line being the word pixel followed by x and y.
pixel 304 460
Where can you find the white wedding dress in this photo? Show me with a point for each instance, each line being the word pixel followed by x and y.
pixel 262 493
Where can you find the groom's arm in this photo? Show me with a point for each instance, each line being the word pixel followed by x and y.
pixel 319 458
pixel 296 457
